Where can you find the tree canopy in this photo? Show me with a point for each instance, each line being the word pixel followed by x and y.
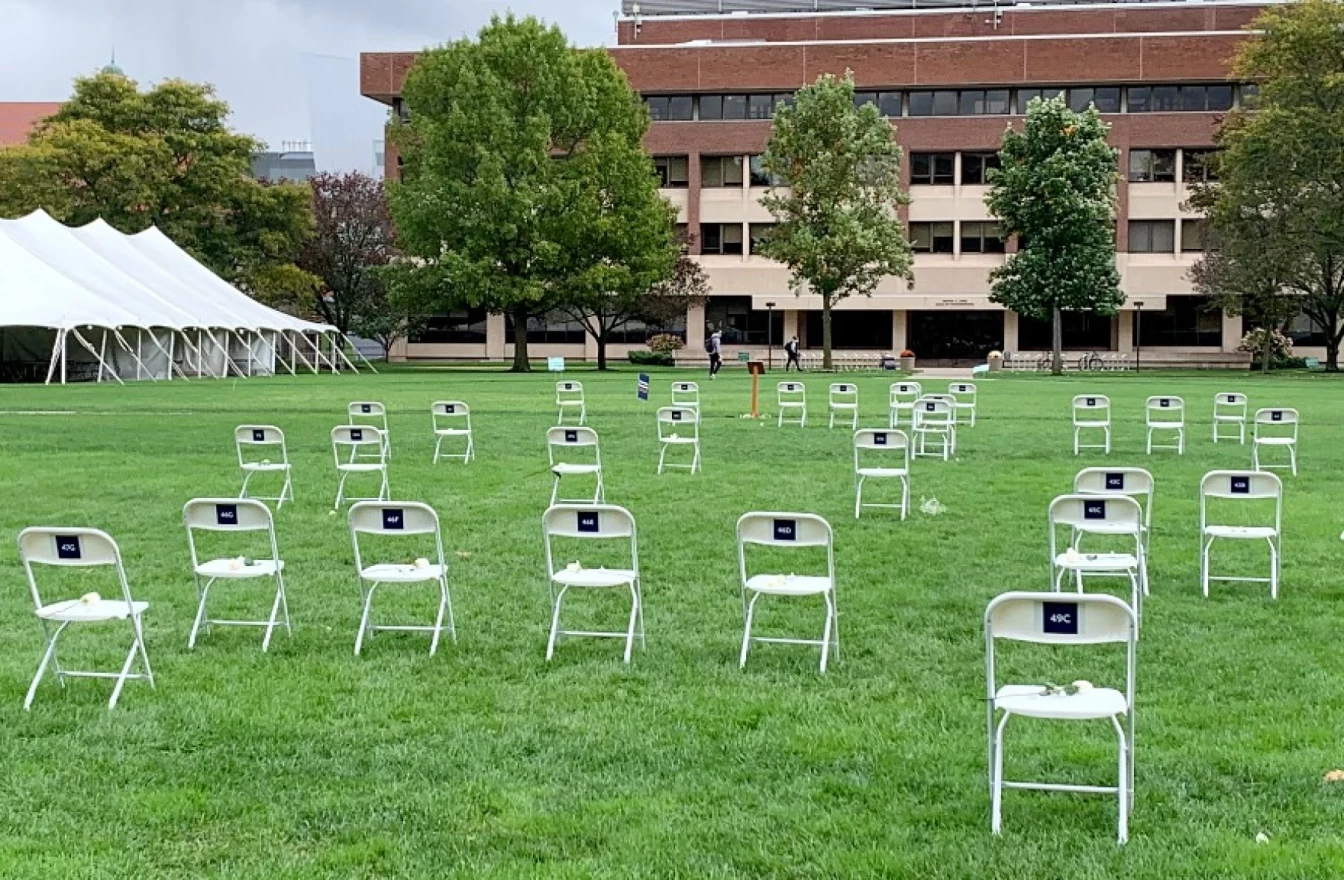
pixel 1055 190
pixel 525 184
pixel 837 225
pixel 1277 212
pixel 163 157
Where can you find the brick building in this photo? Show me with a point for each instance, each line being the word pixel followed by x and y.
pixel 19 118
pixel 951 77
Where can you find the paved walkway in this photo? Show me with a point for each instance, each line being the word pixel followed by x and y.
pixel 944 373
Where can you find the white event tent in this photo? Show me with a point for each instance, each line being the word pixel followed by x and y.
pixel 92 303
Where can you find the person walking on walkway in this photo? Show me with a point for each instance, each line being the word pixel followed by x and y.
pixel 714 345
pixel 791 349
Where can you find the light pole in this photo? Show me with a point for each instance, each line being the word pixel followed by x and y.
pixel 1138 324
pixel 770 334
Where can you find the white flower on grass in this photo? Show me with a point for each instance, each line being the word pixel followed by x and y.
pixel 237 564
pixel 90 598
pixel 1082 686
pixel 1262 837
pixel 1071 556
pixel 422 562
pixel 672 436
pixel 574 566
pixel 331 512
pixel 931 506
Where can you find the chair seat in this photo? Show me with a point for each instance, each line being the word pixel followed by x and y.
pixel 1102 528
pixel 791 405
pixel 789 585
pixel 1222 417
pixel 964 404
pixel 76 611
pixel 393 573
pixel 1172 426
pixel 223 568
pixel 1274 441
pixel 359 467
pixel 563 469
pixel 595 578
pixel 678 440
pixel 844 406
pixel 1098 562
pixel 1091 424
pixel 452 432
pixel 263 466
pixel 882 472
pixel 1030 700
pixel 1239 531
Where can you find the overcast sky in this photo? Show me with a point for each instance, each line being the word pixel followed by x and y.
pixel 288 68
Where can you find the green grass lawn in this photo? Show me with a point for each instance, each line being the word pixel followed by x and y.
pixel 487 761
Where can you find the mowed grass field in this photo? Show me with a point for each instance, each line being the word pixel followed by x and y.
pixel 486 761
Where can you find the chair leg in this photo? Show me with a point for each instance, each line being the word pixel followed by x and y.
pixel 662 455
pixel 996 784
pixel 286 491
pixel 125 669
pixel 746 632
pixel 555 489
pixel 1273 570
pixel 364 618
pixel 275 613
pixel 555 623
pixel 204 593
pixel 437 444
pixel 634 618
pixel 247 478
pixel 438 619
pixel 858 498
pixel 42 667
pixel 826 632
pixel 1122 781
pixel 639 594
pixel 1206 544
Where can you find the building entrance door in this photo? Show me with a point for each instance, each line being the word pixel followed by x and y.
pixel 954 338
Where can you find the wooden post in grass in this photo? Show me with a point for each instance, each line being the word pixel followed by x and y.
pixel 756 368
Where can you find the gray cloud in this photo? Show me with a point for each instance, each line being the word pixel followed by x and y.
pixel 288 68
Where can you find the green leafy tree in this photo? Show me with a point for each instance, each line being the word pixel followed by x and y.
pixel 525 185
pixel 163 157
pixel 837 225
pixel 1277 212
pixel 1055 190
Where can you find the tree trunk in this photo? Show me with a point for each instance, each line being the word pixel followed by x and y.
pixel 601 340
pixel 826 333
pixel 520 362
pixel 1267 352
pixel 1057 344
pixel 1332 353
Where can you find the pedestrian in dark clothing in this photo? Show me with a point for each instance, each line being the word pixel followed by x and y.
pixel 791 349
pixel 715 346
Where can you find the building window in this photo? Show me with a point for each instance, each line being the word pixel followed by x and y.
pixel 741 324
pixel 933 103
pixel 1249 96
pixel 759 176
pixel 460 326
pixel 721 238
pixel 1303 330
pixel 887 103
pixel 723 107
pixel 1106 99
pixel 554 328
pixel 932 168
pixel 850 330
pixel 638 332
pixel 1186 321
pixel 1024 97
pixel 673 108
pixel 983 102
pixel 1193 235
pixel 1152 236
pixel 1199 166
pixel 1168 99
pixel 674 172
pixel 1082 331
pixel 1152 166
pixel 760 106
pixel 757 232
pixel 980 237
pixel 974 166
pixel 719 171
pixel 932 238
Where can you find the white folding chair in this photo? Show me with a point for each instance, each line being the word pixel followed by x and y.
pixel 1275 429
pixel 569 396
pixel 369 412
pixel 1134 482
pixel 843 401
pixel 234 515
pixel 599 522
pixel 873 445
pixel 1091 412
pixel 359 441
pixel 788 530
pixel 1049 619
pixel 1166 414
pixel 81 548
pixel 253 440
pixel 1115 516
pixel 567 442
pixel 452 421
pixel 686 394
pixel 678 427
pixel 1235 486
pixel 1229 408
pixel 964 395
pixel 936 417
pixel 902 400
pixel 792 401
pixel 392 519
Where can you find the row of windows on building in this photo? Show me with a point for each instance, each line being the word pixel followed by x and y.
pixel 468 326
pixel 1197 165
pixel 1198 97
pixel 962 237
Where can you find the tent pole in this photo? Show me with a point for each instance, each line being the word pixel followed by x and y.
pixel 139 349
pixel 65 341
pixel 293 352
pixel 319 356
pixel 172 364
pixel 247 346
pixel 300 356
pixel 101 363
pixel 135 357
pixel 55 353
pixel 280 334
pixel 200 355
pixel 228 361
pixel 359 354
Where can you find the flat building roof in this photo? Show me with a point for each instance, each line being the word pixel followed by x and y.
pixel 634 8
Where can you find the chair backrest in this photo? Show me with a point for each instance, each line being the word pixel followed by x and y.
pixel 249 437
pixel 931 408
pixel 576 436
pixel 366 409
pixel 962 389
pixel 1092 408
pixel 761 528
pixel 602 522
pixel 1241 486
pixel 449 409
pixel 356 437
pixel 1165 409
pixel 905 392
pixel 569 391
pixel 793 391
pixel 1273 418
pixel 881 440
pixel 227 515
pixel 685 393
pixel 393 518
pixel 1060 619
pixel 1082 511
pixel 844 392
pixel 69 547
pixel 674 419
pixel 1229 403
pixel 1129 481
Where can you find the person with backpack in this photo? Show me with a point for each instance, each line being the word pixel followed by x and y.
pixel 791 349
pixel 714 346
